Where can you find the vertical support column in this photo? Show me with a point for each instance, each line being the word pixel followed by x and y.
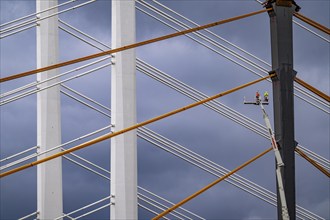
pixel 282 63
pixel 49 184
pixel 123 105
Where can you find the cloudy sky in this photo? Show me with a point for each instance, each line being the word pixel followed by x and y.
pixel 201 130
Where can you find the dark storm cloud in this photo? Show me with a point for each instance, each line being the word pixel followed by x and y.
pixel 200 130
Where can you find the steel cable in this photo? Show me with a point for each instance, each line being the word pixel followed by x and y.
pixel 220 46
pixel 54 148
pixel 130 128
pixel 34 14
pixel 33 91
pixel 140 188
pixel 38 19
pixel 202 95
pixel 33 84
pixel 312 23
pixel 202 163
pixel 138 64
pixel 127 47
pixel 196 95
pixel 302 26
pixel 210 185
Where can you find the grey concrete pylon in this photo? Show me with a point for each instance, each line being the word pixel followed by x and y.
pixel 282 63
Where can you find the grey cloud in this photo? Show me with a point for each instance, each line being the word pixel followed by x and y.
pixel 201 130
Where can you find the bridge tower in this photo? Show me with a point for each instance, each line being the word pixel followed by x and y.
pixel 123 105
pixel 49 174
pixel 282 63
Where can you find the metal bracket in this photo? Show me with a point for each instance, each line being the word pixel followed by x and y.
pixel 283 67
pixel 273 78
pixel 269 5
pixel 295 144
pixel 112 128
pixel 112 199
pixel 285 3
pixel 288 3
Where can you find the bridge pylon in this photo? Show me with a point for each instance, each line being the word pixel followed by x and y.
pixel 123 106
pixel 49 174
pixel 283 99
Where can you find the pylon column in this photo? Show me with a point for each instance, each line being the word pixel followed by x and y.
pixel 123 105
pixel 282 63
pixel 49 184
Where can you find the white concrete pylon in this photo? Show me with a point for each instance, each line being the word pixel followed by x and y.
pixel 123 105
pixel 49 184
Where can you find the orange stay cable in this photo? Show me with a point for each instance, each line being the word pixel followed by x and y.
pixel 211 185
pixel 110 135
pixel 312 89
pixel 312 23
pixel 314 163
pixel 131 46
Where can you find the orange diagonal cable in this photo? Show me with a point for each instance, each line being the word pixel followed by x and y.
pixel 313 162
pixel 312 89
pixel 210 185
pixel 110 135
pixel 28 73
pixel 312 23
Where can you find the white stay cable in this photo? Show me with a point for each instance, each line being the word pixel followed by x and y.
pixel 84 103
pixel 82 33
pixel 298 88
pixel 140 62
pixel 263 128
pixel 309 30
pixel 35 90
pixel 247 68
pixel 213 34
pixel 33 84
pixel 162 207
pixel 84 207
pixel 215 105
pixel 34 14
pixel 143 132
pixel 54 148
pixel 29 216
pixel 33 21
pixel 236 180
pixel 320 159
pixel 199 161
pixel 18 31
pixel 152 211
pixel 85 97
pixel 22 88
pixel 152 201
pixel 304 27
pixel 18 154
pixel 195 216
pixel 198 34
pixel 224 48
pixel 95 210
